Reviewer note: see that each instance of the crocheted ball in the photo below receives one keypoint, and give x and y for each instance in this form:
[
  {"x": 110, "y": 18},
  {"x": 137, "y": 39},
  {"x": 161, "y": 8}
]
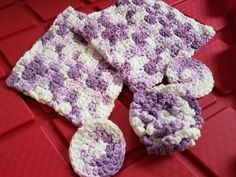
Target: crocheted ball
[{"x": 166, "y": 118}]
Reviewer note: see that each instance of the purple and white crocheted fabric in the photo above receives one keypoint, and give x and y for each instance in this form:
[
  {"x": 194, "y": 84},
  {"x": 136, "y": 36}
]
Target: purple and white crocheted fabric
[
  {"x": 97, "y": 149},
  {"x": 192, "y": 74},
  {"x": 64, "y": 72},
  {"x": 166, "y": 118},
  {"x": 140, "y": 37}
]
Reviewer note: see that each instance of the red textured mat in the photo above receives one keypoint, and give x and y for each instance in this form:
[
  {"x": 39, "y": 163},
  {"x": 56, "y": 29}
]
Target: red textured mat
[
  {"x": 216, "y": 148},
  {"x": 163, "y": 167},
  {"x": 34, "y": 140}
]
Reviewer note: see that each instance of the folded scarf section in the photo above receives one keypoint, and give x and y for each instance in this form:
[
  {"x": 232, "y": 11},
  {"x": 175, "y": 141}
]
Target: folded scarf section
[
  {"x": 140, "y": 38},
  {"x": 63, "y": 71}
]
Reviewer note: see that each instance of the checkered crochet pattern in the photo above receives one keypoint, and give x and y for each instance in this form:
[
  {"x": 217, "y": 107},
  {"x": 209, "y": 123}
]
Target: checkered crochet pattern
[
  {"x": 63, "y": 71},
  {"x": 140, "y": 37}
]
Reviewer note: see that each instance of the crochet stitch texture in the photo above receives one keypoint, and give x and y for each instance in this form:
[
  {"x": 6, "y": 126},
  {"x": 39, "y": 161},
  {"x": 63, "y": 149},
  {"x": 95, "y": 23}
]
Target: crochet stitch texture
[
  {"x": 63, "y": 71},
  {"x": 141, "y": 37}
]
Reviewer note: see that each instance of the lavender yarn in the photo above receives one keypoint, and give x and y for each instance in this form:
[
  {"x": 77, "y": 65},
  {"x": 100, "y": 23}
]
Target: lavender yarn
[
  {"x": 146, "y": 35},
  {"x": 166, "y": 118},
  {"x": 64, "y": 72},
  {"x": 97, "y": 149},
  {"x": 192, "y": 74}
]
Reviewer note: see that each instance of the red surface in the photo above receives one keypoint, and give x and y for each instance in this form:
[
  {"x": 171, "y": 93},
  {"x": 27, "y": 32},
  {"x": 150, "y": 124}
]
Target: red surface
[
  {"x": 65, "y": 128},
  {"x": 217, "y": 147},
  {"x": 162, "y": 167},
  {"x": 4, "y": 3},
  {"x": 2, "y": 73},
  {"x": 48, "y": 9},
  {"x": 120, "y": 116},
  {"x": 30, "y": 148},
  {"x": 207, "y": 101},
  {"x": 86, "y": 9},
  {"x": 13, "y": 19},
  {"x": 101, "y": 6},
  {"x": 15, "y": 46},
  {"x": 46, "y": 108},
  {"x": 14, "y": 112},
  {"x": 27, "y": 149},
  {"x": 205, "y": 11}
]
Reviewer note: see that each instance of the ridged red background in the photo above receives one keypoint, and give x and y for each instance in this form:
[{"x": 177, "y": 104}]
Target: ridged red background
[{"x": 34, "y": 139}]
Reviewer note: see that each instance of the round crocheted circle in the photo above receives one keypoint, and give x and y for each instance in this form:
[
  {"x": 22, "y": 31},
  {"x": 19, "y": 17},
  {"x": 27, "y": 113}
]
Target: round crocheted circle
[
  {"x": 97, "y": 149},
  {"x": 166, "y": 118},
  {"x": 193, "y": 74}
]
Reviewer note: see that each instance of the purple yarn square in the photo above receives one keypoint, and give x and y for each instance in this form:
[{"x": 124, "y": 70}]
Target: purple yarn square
[
  {"x": 64, "y": 72},
  {"x": 140, "y": 38}
]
